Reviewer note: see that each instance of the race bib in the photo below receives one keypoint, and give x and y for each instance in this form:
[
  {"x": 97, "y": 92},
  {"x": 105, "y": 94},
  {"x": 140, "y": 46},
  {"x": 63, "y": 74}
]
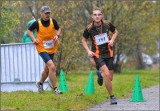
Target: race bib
[
  {"x": 48, "y": 44},
  {"x": 101, "y": 39}
]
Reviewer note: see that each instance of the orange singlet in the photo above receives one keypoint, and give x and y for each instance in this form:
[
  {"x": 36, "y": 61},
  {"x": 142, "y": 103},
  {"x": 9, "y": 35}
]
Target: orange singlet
[{"x": 45, "y": 36}]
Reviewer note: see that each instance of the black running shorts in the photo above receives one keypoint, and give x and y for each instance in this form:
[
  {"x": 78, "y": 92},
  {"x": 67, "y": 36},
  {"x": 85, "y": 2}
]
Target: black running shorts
[{"x": 99, "y": 62}]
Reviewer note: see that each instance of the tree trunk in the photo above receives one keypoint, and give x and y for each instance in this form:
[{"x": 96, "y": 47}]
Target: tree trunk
[
  {"x": 59, "y": 63},
  {"x": 139, "y": 60},
  {"x": 117, "y": 64}
]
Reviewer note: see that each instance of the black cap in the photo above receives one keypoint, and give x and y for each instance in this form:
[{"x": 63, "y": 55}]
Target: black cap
[{"x": 45, "y": 9}]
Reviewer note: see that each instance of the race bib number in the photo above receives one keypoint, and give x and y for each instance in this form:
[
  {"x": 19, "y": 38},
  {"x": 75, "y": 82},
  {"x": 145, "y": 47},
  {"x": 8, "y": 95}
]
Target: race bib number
[
  {"x": 48, "y": 44},
  {"x": 101, "y": 39}
]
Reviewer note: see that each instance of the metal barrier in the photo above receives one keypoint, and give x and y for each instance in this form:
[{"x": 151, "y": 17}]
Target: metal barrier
[{"x": 20, "y": 63}]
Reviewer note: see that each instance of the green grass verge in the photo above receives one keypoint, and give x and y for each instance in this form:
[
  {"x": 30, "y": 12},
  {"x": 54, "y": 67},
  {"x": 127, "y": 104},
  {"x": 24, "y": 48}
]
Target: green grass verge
[{"x": 75, "y": 99}]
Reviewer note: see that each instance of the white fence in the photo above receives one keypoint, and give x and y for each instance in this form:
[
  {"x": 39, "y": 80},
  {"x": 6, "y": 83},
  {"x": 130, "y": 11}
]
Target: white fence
[{"x": 20, "y": 63}]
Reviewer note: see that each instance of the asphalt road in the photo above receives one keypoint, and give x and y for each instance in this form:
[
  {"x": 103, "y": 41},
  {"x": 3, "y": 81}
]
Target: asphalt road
[{"x": 151, "y": 95}]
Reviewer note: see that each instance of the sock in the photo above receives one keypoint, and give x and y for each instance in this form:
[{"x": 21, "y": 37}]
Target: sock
[
  {"x": 55, "y": 88},
  {"x": 111, "y": 96},
  {"x": 40, "y": 83}
]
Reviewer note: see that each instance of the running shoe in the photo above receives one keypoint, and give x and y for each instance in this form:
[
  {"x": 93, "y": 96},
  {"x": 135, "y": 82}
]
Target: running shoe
[
  {"x": 100, "y": 78},
  {"x": 113, "y": 101},
  {"x": 40, "y": 87},
  {"x": 57, "y": 92}
]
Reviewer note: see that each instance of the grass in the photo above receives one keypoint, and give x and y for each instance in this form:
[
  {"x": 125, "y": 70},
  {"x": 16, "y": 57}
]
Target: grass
[{"x": 75, "y": 99}]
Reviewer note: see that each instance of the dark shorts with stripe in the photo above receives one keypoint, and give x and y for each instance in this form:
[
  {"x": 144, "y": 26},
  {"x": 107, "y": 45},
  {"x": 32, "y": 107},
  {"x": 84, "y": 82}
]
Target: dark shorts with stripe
[
  {"x": 46, "y": 57},
  {"x": 99, "y": 62}
]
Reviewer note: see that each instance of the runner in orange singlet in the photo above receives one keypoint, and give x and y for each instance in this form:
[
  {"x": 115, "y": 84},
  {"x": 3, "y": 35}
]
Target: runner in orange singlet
[{"x": 46, "y": 43}]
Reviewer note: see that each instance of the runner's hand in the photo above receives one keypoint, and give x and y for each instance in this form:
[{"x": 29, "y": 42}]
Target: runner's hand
[
  {"x": 36, "y": 41},
  {"x": 90, "y": 54},
  {"x": 111, "y": 42},
  {"x": 55, "y": 38}
]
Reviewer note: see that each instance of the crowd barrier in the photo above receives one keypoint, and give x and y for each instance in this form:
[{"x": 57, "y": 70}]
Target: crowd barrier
[{"x": 20, "y": 63}]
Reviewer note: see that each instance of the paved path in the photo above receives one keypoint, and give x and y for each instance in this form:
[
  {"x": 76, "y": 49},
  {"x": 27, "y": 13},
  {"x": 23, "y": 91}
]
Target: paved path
[{"x": 150, "y": 94}]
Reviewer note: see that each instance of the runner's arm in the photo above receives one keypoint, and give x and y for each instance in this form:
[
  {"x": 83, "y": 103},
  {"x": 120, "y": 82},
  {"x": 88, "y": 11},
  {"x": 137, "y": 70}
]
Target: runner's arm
[
  {"x": 30, "y": 34},
  {"x": 85, "y": 45},
  {"x": 114, "y": 35},
  {"x": 56, "y": 37}
]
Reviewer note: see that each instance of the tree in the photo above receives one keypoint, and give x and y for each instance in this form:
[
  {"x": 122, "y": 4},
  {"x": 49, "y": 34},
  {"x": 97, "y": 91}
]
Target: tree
[
  {"x": 135, "y": 23},
  {"x": 9, "y": 20},
  {"x": 135, "y": 20}
]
